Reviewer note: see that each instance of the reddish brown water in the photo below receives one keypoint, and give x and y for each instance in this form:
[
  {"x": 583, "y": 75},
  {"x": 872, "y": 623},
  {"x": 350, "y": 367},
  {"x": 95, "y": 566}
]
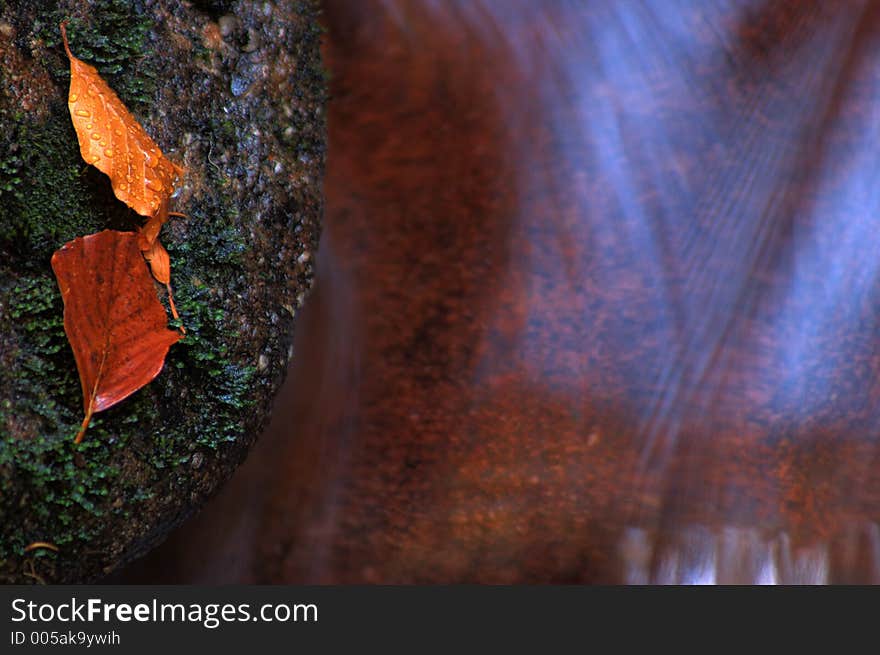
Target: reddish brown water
[{"x": 598, "y": 301}]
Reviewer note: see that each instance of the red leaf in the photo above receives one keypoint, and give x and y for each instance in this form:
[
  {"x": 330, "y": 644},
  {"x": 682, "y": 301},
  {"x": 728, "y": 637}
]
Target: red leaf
[{"x": 115, "y": 323}]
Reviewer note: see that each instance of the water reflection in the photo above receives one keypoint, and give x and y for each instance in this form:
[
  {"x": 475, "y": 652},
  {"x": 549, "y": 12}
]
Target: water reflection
[{"x": 597, "y": 301}]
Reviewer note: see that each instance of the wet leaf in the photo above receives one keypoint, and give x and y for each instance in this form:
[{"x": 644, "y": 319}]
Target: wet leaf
[
  {"x": 115, "y": 323},
  {"x": 113, "y": 141}
]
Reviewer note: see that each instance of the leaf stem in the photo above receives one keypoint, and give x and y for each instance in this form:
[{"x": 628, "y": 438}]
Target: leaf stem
[
  {"x": 64, "y": 37},
  {"x": 91, "y": 408},
  {"x": 84, "y": 426},
  {"x": 173, "y": 308}
]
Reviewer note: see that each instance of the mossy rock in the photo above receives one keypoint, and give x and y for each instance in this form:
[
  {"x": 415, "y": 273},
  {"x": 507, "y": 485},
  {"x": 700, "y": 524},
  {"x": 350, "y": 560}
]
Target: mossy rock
[{"x": 234, "y": 92}]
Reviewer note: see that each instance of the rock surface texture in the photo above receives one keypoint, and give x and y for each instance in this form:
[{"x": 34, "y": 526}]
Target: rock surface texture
[{"x": 234, "y": 92}]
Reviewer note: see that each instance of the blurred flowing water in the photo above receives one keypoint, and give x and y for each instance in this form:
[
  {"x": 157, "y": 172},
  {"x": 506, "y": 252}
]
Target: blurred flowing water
[{"x": 597, "y": 301}]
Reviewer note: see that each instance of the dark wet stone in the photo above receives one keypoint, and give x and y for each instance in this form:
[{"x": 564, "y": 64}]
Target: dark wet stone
[{"x": 241, "y": 106}]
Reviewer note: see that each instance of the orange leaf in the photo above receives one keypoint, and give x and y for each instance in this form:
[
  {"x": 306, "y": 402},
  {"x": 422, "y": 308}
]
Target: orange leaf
[
  {"x": 115, "y": 323},
  {"x": 150, "y": 230},
  {"x": 114, "y": 142},
  {"x": 160, "y": 265},
  {"x": 160, "y": 262}
]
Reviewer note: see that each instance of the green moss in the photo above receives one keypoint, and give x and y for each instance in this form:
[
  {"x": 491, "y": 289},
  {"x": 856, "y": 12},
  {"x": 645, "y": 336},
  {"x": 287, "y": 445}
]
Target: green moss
[
  {"x": 45, "y": 199},
  {"x": 62, "y": 481},
  {"x": 115, "y": 43}
]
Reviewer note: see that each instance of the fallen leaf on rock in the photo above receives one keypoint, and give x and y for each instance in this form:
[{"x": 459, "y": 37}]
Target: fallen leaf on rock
[
  {"x": 159, "y": 261},
  {"x": 116, "y": 325},
  {"x": 115, "y": 143},
  {"x": 160, "y": 265}
]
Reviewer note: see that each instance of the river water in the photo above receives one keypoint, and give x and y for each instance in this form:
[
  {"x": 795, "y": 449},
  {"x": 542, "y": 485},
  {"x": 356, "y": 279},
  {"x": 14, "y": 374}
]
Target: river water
[{"x": 597, "y": 301}]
